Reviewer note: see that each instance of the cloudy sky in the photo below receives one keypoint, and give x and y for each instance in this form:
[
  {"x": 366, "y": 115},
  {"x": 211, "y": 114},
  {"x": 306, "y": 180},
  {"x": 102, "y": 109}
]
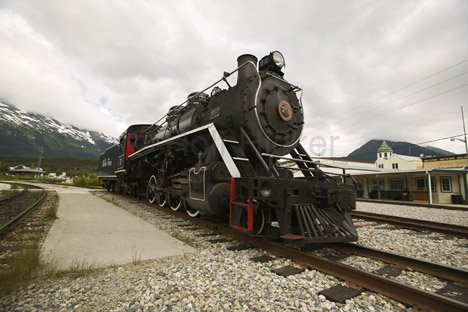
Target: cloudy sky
[{"x": 396, "y": 70}]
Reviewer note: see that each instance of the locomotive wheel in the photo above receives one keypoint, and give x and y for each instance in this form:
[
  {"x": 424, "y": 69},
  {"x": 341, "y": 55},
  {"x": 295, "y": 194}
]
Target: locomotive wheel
[
  {"x": 175, "y": 202},
  {"x": 191, "y": 211},
  {"x": 161, "y": 197},
  {"x": 151, "y": 189}
]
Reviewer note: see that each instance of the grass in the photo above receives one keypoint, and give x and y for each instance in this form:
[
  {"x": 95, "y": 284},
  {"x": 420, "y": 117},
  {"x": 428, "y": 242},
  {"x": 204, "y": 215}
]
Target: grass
[
  {"x": 6, "y": 193},
  {"x": 136, "y": 258},
  {"x": 25, "y": 264},
  {"x": 24, "y": 267},
  {"x": 51, "y": 211},
  {"x": 90, "y": 180},
  {"x": 78, "y": 268}
]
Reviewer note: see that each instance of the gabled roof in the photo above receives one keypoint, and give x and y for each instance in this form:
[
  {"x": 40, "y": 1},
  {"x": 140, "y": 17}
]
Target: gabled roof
[{"x": 384, "y": 148}]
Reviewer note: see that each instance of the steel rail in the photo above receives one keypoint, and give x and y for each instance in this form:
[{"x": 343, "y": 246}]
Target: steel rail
[
  {"x": 420, "y": 225},
  {"x": 9, "y": 223},
  {"x": 442, "y": 271},
  {"x": 417, "y": 298}
]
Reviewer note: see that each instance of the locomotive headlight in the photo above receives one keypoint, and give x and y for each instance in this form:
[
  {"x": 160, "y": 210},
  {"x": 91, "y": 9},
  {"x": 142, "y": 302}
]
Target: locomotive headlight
[
  {"x": 272, "y": 62},
  {"x": 278, "y": 59}
]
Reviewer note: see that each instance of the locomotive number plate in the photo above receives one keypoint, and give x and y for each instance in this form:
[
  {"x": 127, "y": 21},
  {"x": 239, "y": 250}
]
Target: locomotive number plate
[{"x": 285, "y": 110}]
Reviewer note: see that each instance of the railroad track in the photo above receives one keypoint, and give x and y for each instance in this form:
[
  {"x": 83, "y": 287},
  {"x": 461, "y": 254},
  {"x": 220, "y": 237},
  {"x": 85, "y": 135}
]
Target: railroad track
[
  {"x": 415, "y": 297},
  {"x": 419, "y": 225},
  {"x": 13, "y": 208},
  {"x": 445, "y": 272}
]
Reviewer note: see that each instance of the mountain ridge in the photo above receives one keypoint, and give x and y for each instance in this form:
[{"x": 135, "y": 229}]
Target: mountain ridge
[
  {"x": 368, "y": 151},
  {"x": 29, "y": 134}
]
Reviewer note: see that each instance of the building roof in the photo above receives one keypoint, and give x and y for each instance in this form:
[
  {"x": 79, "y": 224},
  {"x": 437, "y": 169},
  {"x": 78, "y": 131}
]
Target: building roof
[
  {"x": 446, "y": 157},
  {"x": 384, "y": 148},
  {"x": 25, "y": 169},
  {"x": 408, "y": 158},
  {"x": 463, "y": 170}
]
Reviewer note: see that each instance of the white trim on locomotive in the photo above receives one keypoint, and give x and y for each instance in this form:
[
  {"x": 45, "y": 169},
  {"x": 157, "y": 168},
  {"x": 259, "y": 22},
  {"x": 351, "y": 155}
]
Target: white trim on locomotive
[
  {"x": 195, "y": 172},
  {"x": 218, "y": 141},
  {"x": 256, "y": 110}
]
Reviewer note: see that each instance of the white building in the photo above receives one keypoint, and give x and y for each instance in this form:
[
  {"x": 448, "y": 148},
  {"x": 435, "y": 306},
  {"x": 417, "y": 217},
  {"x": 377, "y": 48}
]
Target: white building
[{"x": 387, "y": 159}]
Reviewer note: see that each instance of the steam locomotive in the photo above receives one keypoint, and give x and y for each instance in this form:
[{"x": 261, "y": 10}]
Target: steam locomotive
[{"x": 226, "y": 154}]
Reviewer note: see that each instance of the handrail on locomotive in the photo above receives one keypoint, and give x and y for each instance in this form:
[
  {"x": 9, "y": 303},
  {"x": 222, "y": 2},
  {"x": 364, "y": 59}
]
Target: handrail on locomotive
[{"x": 225, "y": 75}]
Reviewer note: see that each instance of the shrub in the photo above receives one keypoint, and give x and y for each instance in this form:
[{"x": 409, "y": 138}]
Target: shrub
[{"x": 88, "y": 180}]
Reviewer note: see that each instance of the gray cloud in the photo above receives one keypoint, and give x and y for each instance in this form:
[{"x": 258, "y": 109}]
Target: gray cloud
[{"x": 106, "y": 64}]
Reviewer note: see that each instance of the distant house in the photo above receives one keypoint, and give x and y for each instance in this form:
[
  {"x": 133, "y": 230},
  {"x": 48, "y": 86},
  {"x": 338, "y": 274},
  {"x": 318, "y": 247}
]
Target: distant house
[
  {"x": 434, "y": 180},
  {"x": 451, "y": 161},
  {"x": 21, "y": 170},
  {"x": 387, "y": 159},
  {"x": 54, "y": 175}
]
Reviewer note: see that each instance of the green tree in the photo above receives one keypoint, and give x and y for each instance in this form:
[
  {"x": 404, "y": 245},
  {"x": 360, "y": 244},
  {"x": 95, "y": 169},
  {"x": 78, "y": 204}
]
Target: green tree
[
  {"x": 83, "y": 173},
  {"x": 4, "y": 168}
]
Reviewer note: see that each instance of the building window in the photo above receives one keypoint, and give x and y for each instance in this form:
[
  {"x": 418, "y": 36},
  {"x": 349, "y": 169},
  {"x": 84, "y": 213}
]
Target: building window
[
  {"x": 132, "y": 139},
  {"x": 396, "y": 184},
  {"x": 380, "y": 155},
  {"x": 385, "y": 155},
  {"x": 422, "y": 185},
  {"x": 395, "y": 166},
  {"x": 446, "y": 184},
  {"x": 377, "y": 184},
  {"x": 380, "y": 165}
]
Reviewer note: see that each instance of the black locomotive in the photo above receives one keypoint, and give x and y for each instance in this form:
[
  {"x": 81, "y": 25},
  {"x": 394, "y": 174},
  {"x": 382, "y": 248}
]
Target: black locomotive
[{"x": 225, "y": 154}]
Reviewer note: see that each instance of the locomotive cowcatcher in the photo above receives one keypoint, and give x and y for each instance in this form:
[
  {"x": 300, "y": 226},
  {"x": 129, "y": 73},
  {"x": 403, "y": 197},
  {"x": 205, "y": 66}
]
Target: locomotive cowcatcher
[{"x": 236, "y": 153}]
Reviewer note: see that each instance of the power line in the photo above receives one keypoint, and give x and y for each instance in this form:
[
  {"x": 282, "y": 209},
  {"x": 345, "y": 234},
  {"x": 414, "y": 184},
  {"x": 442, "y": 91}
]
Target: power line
[
  {"x": 398, "y": 99},
  {"x": 411, "y": 144},
  {"x": 400, "y": 89},
  {"x": 405, "y": 106}
]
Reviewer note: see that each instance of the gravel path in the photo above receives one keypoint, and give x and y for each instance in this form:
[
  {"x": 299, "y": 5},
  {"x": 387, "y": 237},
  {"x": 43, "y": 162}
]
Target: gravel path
[
  {"x": 417, "y": 212},
  {"x": 216, "y": 279}
]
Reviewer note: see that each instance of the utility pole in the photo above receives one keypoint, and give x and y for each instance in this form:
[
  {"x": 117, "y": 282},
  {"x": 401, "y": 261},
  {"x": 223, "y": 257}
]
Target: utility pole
[
  {"x": 466, "y": 147},
  {"x": 464, "y": 133},
  {"x": 41, "y": 155}
]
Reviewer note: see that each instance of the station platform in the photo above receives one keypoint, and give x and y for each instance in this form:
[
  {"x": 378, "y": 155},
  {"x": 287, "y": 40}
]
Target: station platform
[{"x": 92, "y": 232}]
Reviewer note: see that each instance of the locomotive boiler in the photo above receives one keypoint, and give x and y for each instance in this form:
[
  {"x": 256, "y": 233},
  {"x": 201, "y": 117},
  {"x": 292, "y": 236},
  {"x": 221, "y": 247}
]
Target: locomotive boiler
[{"x": 236, "y": 153}]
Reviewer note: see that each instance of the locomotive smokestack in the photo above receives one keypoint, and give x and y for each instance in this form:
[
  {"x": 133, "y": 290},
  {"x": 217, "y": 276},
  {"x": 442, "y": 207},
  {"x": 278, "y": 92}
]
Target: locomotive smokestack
[{"x": 247, "y": 70}]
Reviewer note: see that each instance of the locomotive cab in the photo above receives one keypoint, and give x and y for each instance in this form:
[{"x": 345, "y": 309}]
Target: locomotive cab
[{"x": 128, "y": 143}]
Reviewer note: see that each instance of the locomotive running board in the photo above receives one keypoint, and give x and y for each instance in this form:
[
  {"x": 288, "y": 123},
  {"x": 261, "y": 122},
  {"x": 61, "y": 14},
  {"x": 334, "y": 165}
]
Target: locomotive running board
[{"x": 218, "y": 141}]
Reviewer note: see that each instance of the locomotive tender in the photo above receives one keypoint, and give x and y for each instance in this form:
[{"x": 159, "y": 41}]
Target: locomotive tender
[{"x": 226, "y": 154}]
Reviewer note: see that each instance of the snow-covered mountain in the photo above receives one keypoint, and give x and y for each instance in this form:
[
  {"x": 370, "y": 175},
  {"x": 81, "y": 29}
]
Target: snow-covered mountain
[{"x": 25, "y": 134}]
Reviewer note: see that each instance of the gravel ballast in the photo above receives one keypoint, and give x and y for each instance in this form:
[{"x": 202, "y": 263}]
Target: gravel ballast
[
  {"x": 216, "y": 279},
  {"x": 417, "y": 212}
]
